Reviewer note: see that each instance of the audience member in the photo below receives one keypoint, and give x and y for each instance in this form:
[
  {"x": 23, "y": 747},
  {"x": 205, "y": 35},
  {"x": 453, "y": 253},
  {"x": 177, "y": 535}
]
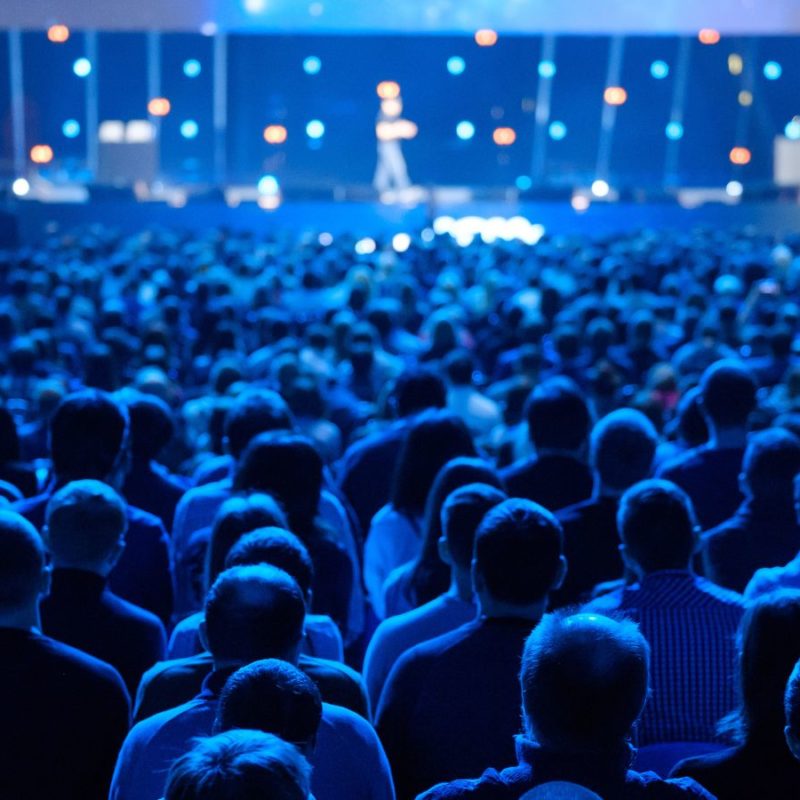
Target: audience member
[{"x": 791, "y": 705}]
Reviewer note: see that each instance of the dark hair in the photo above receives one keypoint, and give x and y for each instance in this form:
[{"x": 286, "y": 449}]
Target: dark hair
[
  {"x": 518, "y": 549},
  {"x": 459, "y": 366},
  {"x": 558, "y": 415},
  {"x": 430, "y": 576},
  {"x": 88, "y": 434},
  {"x": 271, "y": 696},
  {"x": 255, "y": 411},
  {"x": 656, "y": 522},
  {"x": 728, "y": 393},
  {"x": 771, "y": 462},
  {"x": 462, "y": 513},
  {"x": 623, "y": 445},
  {"x": 239, "y": 765},
  {"x": 690, "y": 424},
  {"x": 252, "y": 613},
  {"x": 22, "y": 559},
  {"x": 278, "y": 547},
  {"x": 417, "y": 390},
  {"x": 434, "y": 438},
  {"x": 584, "y": 680},
  {"x": 9, "y": 438},
  {"x": 152, "y": 426}
]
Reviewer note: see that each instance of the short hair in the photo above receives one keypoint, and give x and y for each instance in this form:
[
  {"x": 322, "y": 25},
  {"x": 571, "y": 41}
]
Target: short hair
[
  {"x": 85, "y": 520},
  {"x": 462, "y": 513},
  {"x": 22, "y": 559},
  {"x": 623, "y": 445},
  {"x": 240, "y": 765},
  {"x": 558, "y": 415},
  {"x": 417, "y": 390},
  {"x": 584, "y": 680},
  {"x": 728, "y": 393},
  {"x": 560, "y": 790},
  {"x": 459, "y": 366},
  {"x": 271, "y": 696},
  {"x": 152, "y": 426},
  {"x": 252, "y": 412},
  {"x": 88, "y": 434},
  {"x": 518, "y": 549},
  {"x": 278, "y": 547},
  {"x": 771, "y": 462},
  {"x": 657, "y": 524},
  {"x": 254, "y": 612},
  {"x": 791, "y": 701}
]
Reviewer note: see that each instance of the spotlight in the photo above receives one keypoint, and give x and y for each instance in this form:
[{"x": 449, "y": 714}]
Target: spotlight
[
  {"x": 312, "y": 65},
  {"x": 600, "y": 188},
  {"x": 523, "y": 183},
  {"x": 745, "y": 98},
  {"x": 401, "y": 242},
  {"x": 189, "y": 129},
  {"x": 734, "y": 189},
  {"x": 268, "y": 185},
  {"x": 456, "y": 65},
  {"x": 20, "y": 187},
  {"x": 740, "y": 156},
  {"x": 275, "y": 134},
  {"x": 41, "y": 154},
  {"x": 735, "y": 64},
  {"x": 388, "y": 90},
  {"x": 486, "y": 37},
  {"x": 659, "y": 70},
  {"x": 82, "y": 67},
  {"x": 315, "y": 129},
  {"x": 58, "y": 34},
  {"x": 708, "y": 36},
  {"x": 674, "y": 131},
  {"x": 557, "y": 130},
  {"x": 159, "y": 107},
  {"x": 547, "y": 69},
  {"x": 772, "y": 70},
  {"x": 465, "y": 130},
  {"x": 792, "y": 129},
  {"x": 192, "y": 68},
  {"x": 503, "y": 137},
  {"x": 365, "y": 247},
  {"x": 255, "y": 6},
  {"x": 615, "y": 96},
  {"x": 71, "y": 128}
]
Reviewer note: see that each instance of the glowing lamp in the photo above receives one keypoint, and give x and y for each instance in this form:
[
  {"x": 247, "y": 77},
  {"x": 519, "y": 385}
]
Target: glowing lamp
[
  {"x": 388, "y": 90},
  {"x": 41, "y": 154},
  {"x": 503, "y": 137},
  {"x": 615, "y": 95},
  {"x": 275, "y": 134},
  {"x": 740, "y": 156},
  {"x": 709, "y": 36},
  {"x": 486, "y": 37},
  {"x": 58, "y": 34},
  {"x": 159, "y": 107}
]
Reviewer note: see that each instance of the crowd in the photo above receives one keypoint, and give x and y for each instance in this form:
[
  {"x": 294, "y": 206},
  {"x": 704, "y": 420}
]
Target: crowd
[{"x": 280, "y": 519}]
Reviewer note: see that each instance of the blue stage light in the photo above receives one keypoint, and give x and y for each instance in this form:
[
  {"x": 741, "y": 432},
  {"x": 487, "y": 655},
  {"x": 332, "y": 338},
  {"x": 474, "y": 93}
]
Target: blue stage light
[
  {"x": 772, "y": 70},
  {"x": 312, "y": 65},
  {"x": 71, "y": 128},
  {"x": 456, "y": 65},
  {"x": 547, "y": 69},
  {"x": 659, "y": 70},
  {"x": 524, "y": 183},
  {"x": 792, "y": 129},
  {"x": 315, "y": 129},
  {"x": 82, "y": 67},
  {"x": 192, "y": 68},
  {"x": 268, "y": 185},
  {"x": 189, "y": 129},
  {"x": 557, "y": 130},
  {"x": 465, "y": 130},
  {"x": 674, "y": 131}
]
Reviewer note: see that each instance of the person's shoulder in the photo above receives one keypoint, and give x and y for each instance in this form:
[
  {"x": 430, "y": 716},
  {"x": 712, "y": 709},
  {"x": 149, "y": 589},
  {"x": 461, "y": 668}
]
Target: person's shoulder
[
  {"x": 205, "y": 492},
  {"x": 147, "y": 729},
  {"x": 719, "y": 595},
  {"x": 31, "y": 506},
  {"x": 708, "y": 764},
  {"x": 430, "y": 652},
  {"x": 609, "y": 603},
  {"x": 768, "y": 579},
  {"x": 70, "y": 663},
  {"x": 490, "y": 786},
  {"x": 175, "y": 668},
  {"x": 683, "y": 461},
  {"x": 341, "y": 719},
  {"x": 140, "y": 519},
  {"x": 130, "y": 613},
  {"x": 654, "y": 787}
]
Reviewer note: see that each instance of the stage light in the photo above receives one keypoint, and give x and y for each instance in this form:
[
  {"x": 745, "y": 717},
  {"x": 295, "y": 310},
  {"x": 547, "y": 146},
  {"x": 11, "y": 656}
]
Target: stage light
[
  {"x": 486, "y": 37},
  {"x": 365, "y": 247},
  {"x": 325, "y": 239},
  {"x": 465, "y": 130},
  {"x": 740, "y": 156},
  {"x": 82, "y": 67},
  {"x": 734, "y": 189},
  {"x": 58, "y": 34},
  {"x": 792, "y": 129},
  {"x": 189, "y": 129},
  {"x": 580, "y": 203},
  {"x": 312, "y": 65},
  {"x": 709, "y": 36},
  {"x": 557, "y": 130},
  {"x": 401, "y": 242},
  {"x": 192, "y": 68},
  {"x": 20, "y": 187},
  {"x": 269, "y": 202},
  {"x": 674, "y": 131},
  {"x": 547, "y": 69},
  {"x": 159, "y": 107},
  {"x": 503, "y": 137},
  {"x": 523, "y": 183},
  {"x": 41, "y": 154},
  {"x": 772, "y": 70},
  {"x": 745, "y": 98},
  {"x": 735, "y": 64},
  {"x": 388, "y": 90},
  {"x": 659, "y": 70},
  {"x": 427, "y": 235},
  {"x": 71, "y": 128},
  {"x": 275, "y": 134},
  {"x": 209, "y": 28},
  {"x": 600, "y": 188},
  {"x": 456, "y": 65},
  {"x": 316, "y": 10},
  {"x": 615, "y": 96},
  {"x": 315, "y": 129},
  {"x": 255, "y": 6},
  {"x": 268, "y": 185}
]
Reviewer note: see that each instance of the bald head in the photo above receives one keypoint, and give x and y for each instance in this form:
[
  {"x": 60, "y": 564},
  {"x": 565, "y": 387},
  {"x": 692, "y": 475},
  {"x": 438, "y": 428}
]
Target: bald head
[
  {"x": 22, "y": 565},
  {"x": 584, "y": 680}
]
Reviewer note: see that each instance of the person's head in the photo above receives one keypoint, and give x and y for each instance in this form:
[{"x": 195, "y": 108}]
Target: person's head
[
  {"x": 791, "y": 707},
  {"x": 517, "y": 558},
  {"x": 236, "y": 517},
  {"x": 89, "y": 438},
  {"x": 418, "y": 390},
  {"x": 771, "y": 463},
  {"x": 623, "y": 445},
  {"x": 254, "y": 411},
  {"x": 9, "y": 439},
  {"x": 85, "y": 528},
  {"x": 727, "y": 395},
  {"x": 433, "y": 439},
  {"x": 278, "y": 547},
  {"x": 24, "y": 574},
  {"x": 240, "y": 765},
  {"x": 275, "y": 697},
  {"x": 560, "y": 790},
  {"x": 558, "y": 417},
  {"x": 459, "y": 366},
  {"x": 657, "y": 526},
  {"x": 252, "y": 613},
  {"x": 584, "y": 681},
  {"x": 152, "y": 426}
]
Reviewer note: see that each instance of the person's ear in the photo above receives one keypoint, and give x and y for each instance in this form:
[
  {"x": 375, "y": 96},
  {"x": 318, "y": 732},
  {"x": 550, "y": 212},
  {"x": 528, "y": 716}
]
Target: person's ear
[
  {"x": 202, "y": 634},
  {"x": 561, "y": 574},
  {"x": 444, "y": 551}
]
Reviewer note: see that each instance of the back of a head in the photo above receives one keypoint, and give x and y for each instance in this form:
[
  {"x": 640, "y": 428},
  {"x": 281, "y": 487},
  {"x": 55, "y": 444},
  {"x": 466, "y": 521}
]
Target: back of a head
[
  {"x": 85, "y": 523},
  {"x": 791, "y": 704},
  {"x": 518, "y": 552},
  {"x": 771, "y": 463},
  {"x": 272, "y": 696},
  {"x": 87, "y": 435},
  {"x": 418, "y": 390},
  {"x": 462, "y": 513},
  {"x": 9, "y": 438},
  {"x": 278, "y": 547},
  {"x": 623, "y": 445},
  {"x": 252, "y": 613},
  {"x": 657, "y": 525},
  {"x": 560, "y": 790},
  {"x": 255, "y": 411},
  {"x": 728, "y": 393},
  {"x": 240, "y": 765},
  {"x": 459, "y": 367},
  {"x": 558, "y": 416},
  {"x": 152, "y": 426},
  {"x": 584, "y": 681},
  {"x": 22, "y": 561}
]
